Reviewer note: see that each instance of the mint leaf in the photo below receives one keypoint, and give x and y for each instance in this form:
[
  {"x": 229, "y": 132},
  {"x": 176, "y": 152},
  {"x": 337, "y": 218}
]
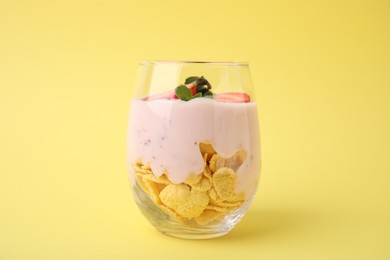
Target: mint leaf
[
  {"x": 202, "y": 88},
  {"x": 191, "y": 79},
  {"x": 202, "y": 82},
  {"x": 196, "y": 95},
  {"x": 207, "y": 93},
  {"x": 183, "y": 93}
]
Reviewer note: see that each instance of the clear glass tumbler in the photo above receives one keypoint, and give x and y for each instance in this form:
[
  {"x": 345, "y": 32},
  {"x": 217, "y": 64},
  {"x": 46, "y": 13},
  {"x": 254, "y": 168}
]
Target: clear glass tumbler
[{"x": 193, "y": 146}]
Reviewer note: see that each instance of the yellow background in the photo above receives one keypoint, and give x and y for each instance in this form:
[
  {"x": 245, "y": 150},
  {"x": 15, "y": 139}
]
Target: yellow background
[{"x": 322, "y": 71}]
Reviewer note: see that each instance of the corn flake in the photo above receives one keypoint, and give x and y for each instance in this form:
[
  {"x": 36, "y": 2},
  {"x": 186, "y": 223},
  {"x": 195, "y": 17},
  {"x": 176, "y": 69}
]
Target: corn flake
[
  {"x": 217, "y": 208},
  {"x": 203, "y": 185},
  {"x": 234, "y": 162},
  {"x": 194, "y": 178},
  {"x": 207, "y": 149},
  {"x": 146, "y": 167},
  {"x": 207, "y": 173},
  {"x": 140, "y": 170},
  {"x": 224, "y": 180},
  {"x": 153, "y": 189},
  {"x": 185, "y": 202},
  {"x": 170, "y": 212},
  {"x": 238, "y": 197},
  {"x": 216, "y": 201},
  {"x": 163, "y": 179},
  {"x": 149, "y": 177},
  {"x": 209, "y": 216},
  {"x": 213, "y": 195}
]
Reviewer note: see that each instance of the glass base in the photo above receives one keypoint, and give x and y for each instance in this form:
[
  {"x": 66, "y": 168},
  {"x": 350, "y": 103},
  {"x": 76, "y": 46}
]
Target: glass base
[
  {"x": 193, "y": 235},
  {"x": 188, "y": 229}
]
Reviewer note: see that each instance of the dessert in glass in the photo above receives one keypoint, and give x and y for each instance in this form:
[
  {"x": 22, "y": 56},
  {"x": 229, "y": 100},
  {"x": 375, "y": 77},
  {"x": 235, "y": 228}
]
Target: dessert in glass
[{"x": 193, "y": 146}]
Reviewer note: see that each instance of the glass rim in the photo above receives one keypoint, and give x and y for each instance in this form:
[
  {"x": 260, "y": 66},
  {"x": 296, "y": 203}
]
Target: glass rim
[{"x": 195, "y": 62}]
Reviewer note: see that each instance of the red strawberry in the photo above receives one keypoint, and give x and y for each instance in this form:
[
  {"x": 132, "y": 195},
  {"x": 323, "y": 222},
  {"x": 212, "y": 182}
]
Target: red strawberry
[
  {"x": 235, "y": 97},
  {"x": 170, "y": 94},
  {"x": 192, "y": 87},
  {"x": 165, "y": 95}
]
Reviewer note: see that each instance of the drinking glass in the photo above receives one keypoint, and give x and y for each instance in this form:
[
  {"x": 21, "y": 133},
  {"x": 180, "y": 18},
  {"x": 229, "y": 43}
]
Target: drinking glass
[{"x": 193, "y": 146}]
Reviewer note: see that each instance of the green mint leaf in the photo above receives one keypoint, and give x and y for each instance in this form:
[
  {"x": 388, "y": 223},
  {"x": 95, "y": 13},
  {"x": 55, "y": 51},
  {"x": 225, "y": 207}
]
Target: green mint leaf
[
  {"x": 202, "y": 82},
  {"x": 183, "y": 93},
  {"x": 197, "y": 95},
  {"x": 191, "y": 79},
  {"x": 208, "y": 93},
  {"x": 200, "y": 88},
  {"x": 205, "y": 92}
]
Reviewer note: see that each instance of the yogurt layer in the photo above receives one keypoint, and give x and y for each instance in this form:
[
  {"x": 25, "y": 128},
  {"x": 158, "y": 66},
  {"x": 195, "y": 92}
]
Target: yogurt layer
[{"x": 166, "y": 134}]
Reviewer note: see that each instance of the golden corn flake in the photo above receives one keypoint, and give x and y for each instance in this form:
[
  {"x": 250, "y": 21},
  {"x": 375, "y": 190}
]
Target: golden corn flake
[
  {"x": 185, "y": 202},
  {"x": 139, "y": 163},
  {"x": 205, "y": 159},
  {"x": 224, "y": 181},
  {"x": 234, "y": 162},
  {"x": 153, "y": 189},
  {"x": 217, "y": 204},
  {"x": 216, "y": 201},
  {"x": 203, "y": 185},
  {"x": 170, "y": 212},
  {"x": 225, "y": 204},
  {"x": 213, "y": 194},
  {"x": 146, "y": 167},
  {"x": 149, "y": 177},
  {"x": 215, "y": 162},
  {"x": 163, "y": 179},
  {"x": 217, "y": 208},
  {"x": 238, "y": 197},
  {"x": 159, "y": 180},
  {"x": 207, "y": 149},
  {"x": 208, "y": 216},
  {"x": 207, "y": 172},
  {"x": 194, "y": 178},
  {"x": 140, "y": 170}
]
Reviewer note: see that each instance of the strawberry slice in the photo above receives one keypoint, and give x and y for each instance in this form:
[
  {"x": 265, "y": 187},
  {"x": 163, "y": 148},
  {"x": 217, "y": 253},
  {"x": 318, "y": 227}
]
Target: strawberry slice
[
  {"x": 165, "y": 95},
  {"x": 192, "y": 87},
  {"x": 235, "y": 97},
  {"x": 170, "y": 94}
]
